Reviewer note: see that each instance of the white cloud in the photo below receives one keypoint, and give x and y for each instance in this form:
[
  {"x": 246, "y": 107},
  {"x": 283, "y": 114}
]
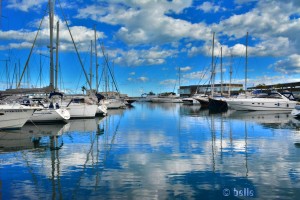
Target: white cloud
[
  {"x": 81, "y": 34},
  {"x": 145, "y": 57},
  {"x": 269, "y": 26},
  {"x": 168, "y": 82},
  {"x": 198, "y": 75},
  {"x": 209, "y": 7},
  {"x": 143, "y": 79},
  {"x": 290, "y": 65},
  {"x": 184, "y": 69},
  {"x": 135, "y": 18},
  {"x": 139, "y": 79},
  {"x": 25, "y": 5}
]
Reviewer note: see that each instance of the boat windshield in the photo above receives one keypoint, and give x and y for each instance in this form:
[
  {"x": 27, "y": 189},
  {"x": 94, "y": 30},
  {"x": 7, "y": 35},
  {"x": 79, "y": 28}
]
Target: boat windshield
[{"x": 270, "y": 95}]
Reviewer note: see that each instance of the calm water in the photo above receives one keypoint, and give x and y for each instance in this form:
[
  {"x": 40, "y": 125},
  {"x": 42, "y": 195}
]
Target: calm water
[{"x": 155, "y": 151}]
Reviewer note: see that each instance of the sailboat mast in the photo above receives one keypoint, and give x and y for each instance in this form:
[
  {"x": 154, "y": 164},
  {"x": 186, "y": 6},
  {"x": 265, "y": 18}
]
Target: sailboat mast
[
  {"x": 212, "y": 67},
  {"x": 91, "y": 63},
  {"x": 97, "y": 65},
  {"x": 230, "y": 75},
  {"x": 246, "y": 62},
  {"x": 56, "y": 57},
  {"x": 221, "y": 72},
  {"x": 51, "y": 10}
]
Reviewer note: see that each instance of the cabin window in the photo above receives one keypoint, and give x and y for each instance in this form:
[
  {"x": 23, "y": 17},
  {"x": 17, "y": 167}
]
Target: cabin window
[{"x": 287, "y": 105}]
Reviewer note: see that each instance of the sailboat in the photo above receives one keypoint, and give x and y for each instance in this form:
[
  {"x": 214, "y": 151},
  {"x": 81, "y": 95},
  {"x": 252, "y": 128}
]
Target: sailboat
[
  {"x": 14, "y": 115},
  {"x": 216, "y": 104},
  {"x": 49, "y": 112}
]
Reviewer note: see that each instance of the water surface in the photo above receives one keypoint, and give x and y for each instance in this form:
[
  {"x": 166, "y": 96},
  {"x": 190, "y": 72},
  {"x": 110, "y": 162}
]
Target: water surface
[{"x": 155, "y": 151}]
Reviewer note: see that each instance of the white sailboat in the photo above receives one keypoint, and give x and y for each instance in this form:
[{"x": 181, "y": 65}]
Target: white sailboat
[
  {"x": 48, "y": 113},
  {"x": 14, "y": 116},
  {"x": 80, "y": 107}
]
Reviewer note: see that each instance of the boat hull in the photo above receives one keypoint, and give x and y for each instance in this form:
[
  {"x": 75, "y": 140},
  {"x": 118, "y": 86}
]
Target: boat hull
[
  {"x": 50, "y": 115},
  {"x": 78, "y": 110},
  {"x": 217, "y": 105},
  {"x": 190, "y": 101},
  {"x": 114, "y": 103},
  {"x": 14, "y": 118},
  {"x": 102, "y": 110}
]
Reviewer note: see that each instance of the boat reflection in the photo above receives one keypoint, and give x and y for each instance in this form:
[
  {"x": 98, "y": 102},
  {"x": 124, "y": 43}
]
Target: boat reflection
[
  {"x": 191, "y": 110},
  {"x": 31, "y": 136},
  {"x": 267, "y": 117}
]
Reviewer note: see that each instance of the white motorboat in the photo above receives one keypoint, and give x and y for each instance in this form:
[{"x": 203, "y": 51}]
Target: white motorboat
[
  {"x": 272, "y": 101},
  {"x": 14, "y": 116},
  {"x": 147, "y": 97},
  {"x": 113, "y": 103},
  {"x": 167, "y": 98}
]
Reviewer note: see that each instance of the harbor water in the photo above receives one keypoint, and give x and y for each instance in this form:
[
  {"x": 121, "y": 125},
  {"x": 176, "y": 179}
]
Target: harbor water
[{"x": 155, "y": 151}]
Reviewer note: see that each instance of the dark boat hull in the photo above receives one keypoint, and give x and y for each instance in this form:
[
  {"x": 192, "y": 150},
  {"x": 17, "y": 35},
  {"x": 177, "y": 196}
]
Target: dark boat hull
[{"x": 217, "y": 105}]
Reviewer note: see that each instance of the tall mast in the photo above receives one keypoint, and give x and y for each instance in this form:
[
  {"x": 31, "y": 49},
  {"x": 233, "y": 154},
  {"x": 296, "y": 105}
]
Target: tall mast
[
  {"x": 91, "y": 63},
  {"x": 246, "y": 63},
  {"x": 230, "y": 75},
  {"x": 97, "y": 65},
  {"x": 51, "y": 10},
  {"x": 221, "y": 73},
  {"x": 212, "y": 66},
  {"x": 40, "y": 70},
  {"x": 56, "y": 57}
]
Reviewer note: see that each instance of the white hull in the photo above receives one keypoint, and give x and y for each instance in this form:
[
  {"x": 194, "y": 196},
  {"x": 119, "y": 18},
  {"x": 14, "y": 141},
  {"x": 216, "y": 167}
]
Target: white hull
[
  {"x": 114, "y": 103},
  {"x": 50, "y": 115},
  {"x": 102, "y": 109},
  {"x": 14, "y": 118},
  {"x": 261, "y": 104},
  {"x": 78, "y": 110}
]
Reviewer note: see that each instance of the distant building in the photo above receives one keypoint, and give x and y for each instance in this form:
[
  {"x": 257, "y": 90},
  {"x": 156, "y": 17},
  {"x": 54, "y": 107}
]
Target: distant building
[{"x": 201, "y": 89}]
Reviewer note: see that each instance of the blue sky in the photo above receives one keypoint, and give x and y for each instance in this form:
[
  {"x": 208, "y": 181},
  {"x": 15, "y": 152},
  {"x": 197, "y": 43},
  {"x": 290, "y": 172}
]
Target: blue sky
[{"x": 147, "y": 41}]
